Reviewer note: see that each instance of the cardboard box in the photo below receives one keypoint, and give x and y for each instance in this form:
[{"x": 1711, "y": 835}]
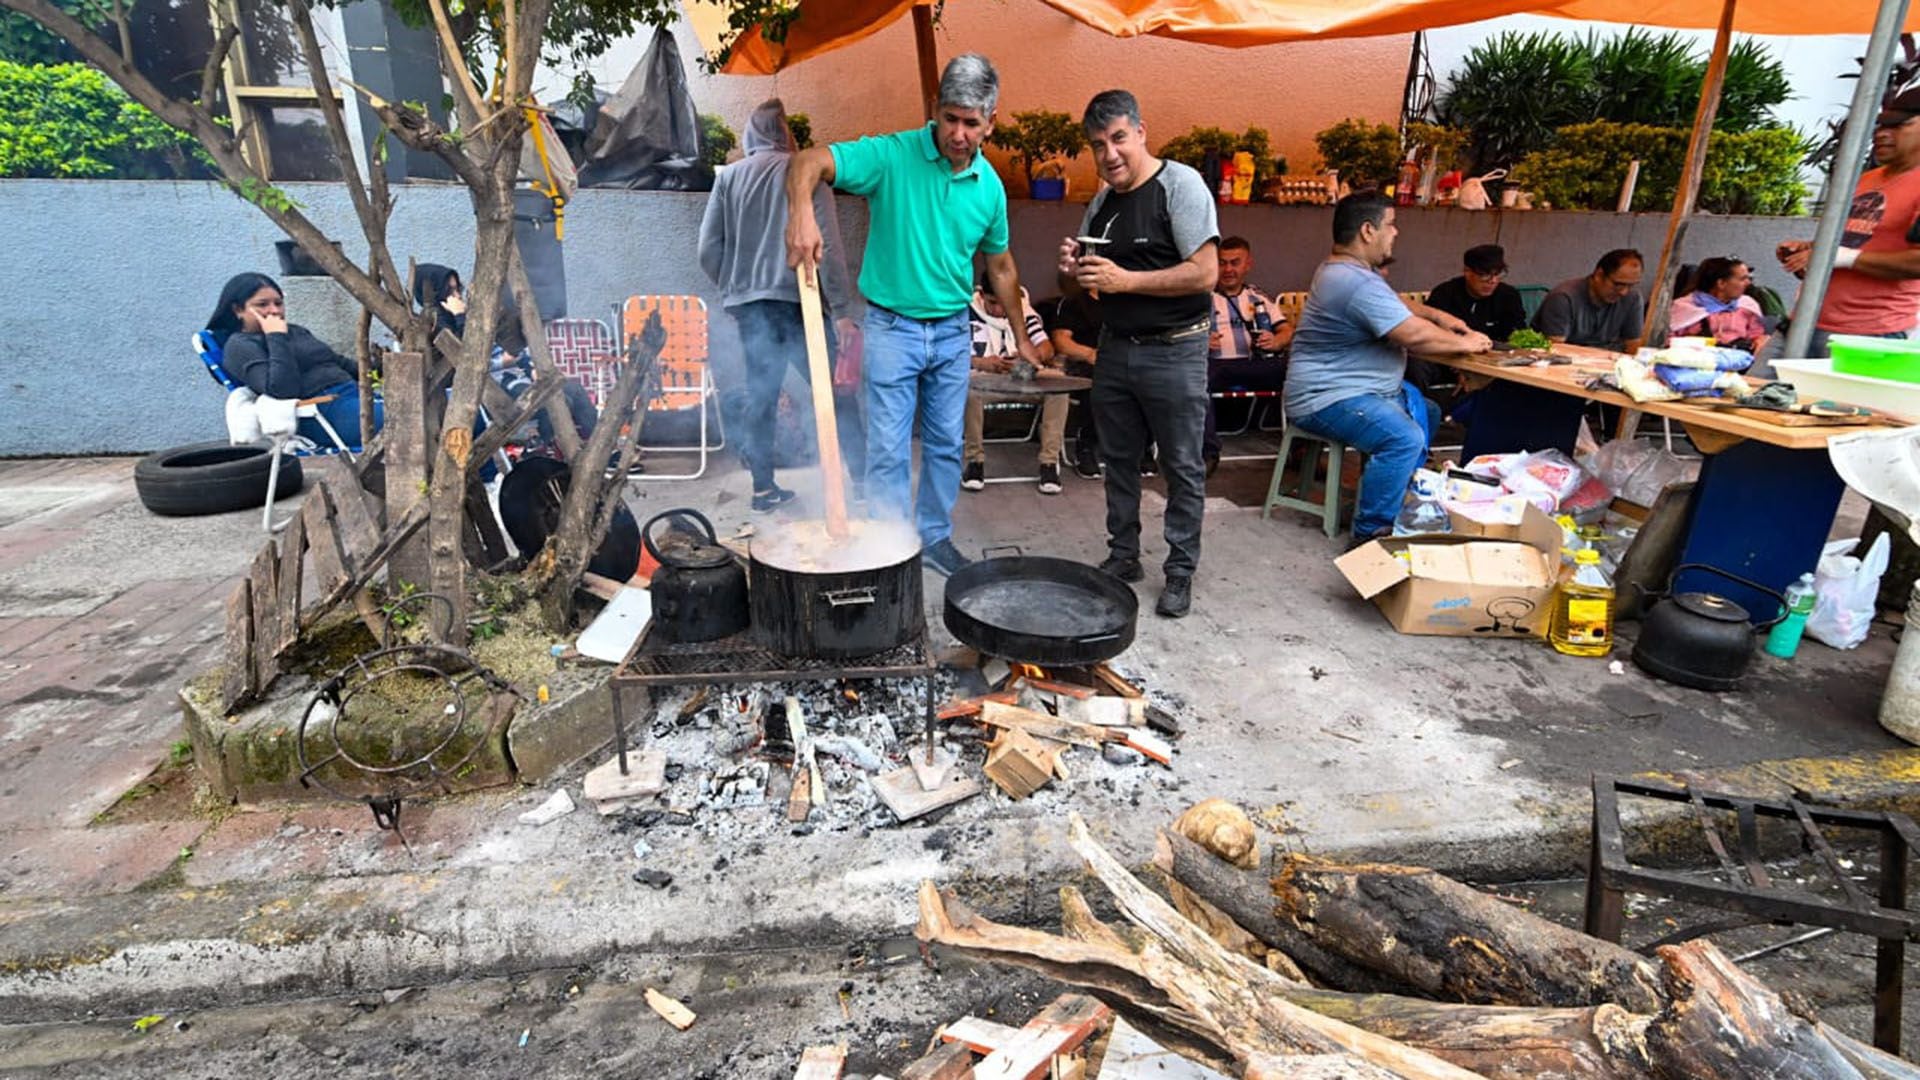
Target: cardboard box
[{"x": 1459, "y": 585}]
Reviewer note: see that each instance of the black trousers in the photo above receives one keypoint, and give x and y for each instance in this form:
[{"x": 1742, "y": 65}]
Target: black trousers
[{"x": 1153, "y": 392}]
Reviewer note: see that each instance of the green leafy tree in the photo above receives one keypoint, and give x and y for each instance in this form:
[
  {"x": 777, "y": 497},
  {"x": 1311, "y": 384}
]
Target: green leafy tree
[
  {"x": 1747, "y": 172},
  {"x": 69, "y": 121},
  {"x": 717, "y": 140},
  {"x": 801, "y": 125},
  {"x": 1191, "y": 149},
  {"x": 1038, "y": 137},
  {"x": 1367, "y": 155}
]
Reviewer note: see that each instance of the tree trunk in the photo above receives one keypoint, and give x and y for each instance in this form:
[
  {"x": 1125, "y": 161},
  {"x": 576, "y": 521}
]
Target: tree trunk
[
  {"x": 1421, "y": 930},
  {"x": 1498, "y": 1042},
  {"x": 1720, "y": 1023}
]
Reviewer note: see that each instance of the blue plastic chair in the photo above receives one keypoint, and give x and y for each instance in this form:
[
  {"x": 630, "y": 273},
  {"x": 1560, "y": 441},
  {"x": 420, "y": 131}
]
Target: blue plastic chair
[{"x": 243, "y": 406}]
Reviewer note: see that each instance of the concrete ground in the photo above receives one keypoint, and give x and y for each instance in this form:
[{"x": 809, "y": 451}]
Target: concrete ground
[{"x": 1300, "y": 703}]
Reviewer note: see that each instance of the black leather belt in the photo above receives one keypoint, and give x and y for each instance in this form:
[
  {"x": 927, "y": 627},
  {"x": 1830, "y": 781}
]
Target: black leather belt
[{"x": 1168, "y": 337}]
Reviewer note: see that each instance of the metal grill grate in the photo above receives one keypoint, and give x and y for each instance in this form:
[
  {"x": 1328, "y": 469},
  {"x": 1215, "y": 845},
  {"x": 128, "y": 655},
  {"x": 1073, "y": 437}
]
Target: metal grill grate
[{"x": 741, "y": 659}]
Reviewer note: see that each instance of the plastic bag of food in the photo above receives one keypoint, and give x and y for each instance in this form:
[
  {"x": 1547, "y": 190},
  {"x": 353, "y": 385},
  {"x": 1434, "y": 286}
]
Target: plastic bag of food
[
  {"x": 1640, "y": 384},
  {"x": 1844, "y": 589},
  {"x": 1637, "y": 471},
  {"x": 1546, "y": 478},
  {"x": 1494, "y": 465}
]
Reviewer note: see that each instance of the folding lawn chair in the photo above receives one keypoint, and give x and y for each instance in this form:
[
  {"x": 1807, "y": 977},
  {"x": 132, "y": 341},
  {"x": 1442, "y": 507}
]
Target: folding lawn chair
[
  {"x": 252, "y": 418},
  {"x": 682, "y": 377}
]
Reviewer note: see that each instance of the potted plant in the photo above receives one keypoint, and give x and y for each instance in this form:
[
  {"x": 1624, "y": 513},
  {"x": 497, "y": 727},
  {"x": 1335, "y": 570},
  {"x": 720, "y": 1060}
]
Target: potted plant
[
  {"x": 1042, "y": 141},
  {"x": 1365, "y": 155},
  {"x": 1195, "y": 147}
]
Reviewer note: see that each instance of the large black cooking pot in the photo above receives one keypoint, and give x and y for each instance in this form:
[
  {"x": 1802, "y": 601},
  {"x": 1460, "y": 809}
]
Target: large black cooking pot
[
  {"x": 700, "y": 591},
  {"x": 1700, "y": 639},
  {"x": 1035, "y": 609},
  {"x": 836, "y": 599}
]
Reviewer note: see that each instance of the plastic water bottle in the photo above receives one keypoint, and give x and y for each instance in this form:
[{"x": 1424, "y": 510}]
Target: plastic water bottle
[{"x": 1784, "y": 639}]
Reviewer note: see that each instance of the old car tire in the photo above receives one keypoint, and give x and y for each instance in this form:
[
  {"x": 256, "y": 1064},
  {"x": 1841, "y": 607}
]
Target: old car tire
[{"x": 211, "y": 478}]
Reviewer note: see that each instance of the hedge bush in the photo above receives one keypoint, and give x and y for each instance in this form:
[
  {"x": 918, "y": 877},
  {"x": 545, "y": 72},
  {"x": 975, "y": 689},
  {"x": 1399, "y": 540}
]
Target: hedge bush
[
  {"x": 1749, "y": 172},
  {"x": 70, "y": 121}
]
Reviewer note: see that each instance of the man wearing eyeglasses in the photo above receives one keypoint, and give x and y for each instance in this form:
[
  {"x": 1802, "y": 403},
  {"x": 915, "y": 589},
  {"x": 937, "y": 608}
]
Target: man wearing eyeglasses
[
  {"x": 1875, "y": 289},
  {"x": 1480, "y": 296},
  {"x": 1600, "y": 310}
]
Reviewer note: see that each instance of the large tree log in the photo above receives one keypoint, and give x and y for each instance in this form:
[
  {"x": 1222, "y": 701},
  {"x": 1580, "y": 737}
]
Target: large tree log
[
  {"x": 1602, "y": 1042},
  {"x": 1420, "y": 929},
  {"x": 1720, "y": 1023}
]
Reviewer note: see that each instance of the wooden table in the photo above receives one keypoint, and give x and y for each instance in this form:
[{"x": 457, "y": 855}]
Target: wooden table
[{"x": 1767, "y": 492}]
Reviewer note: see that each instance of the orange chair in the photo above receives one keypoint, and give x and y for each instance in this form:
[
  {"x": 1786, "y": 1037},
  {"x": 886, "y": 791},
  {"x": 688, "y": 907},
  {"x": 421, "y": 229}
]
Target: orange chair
[{"x": 682, "y": 378}]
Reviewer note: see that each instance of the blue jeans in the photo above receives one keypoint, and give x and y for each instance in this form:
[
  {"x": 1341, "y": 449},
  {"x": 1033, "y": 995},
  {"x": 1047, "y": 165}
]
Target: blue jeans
[
  {"x": 915, "y": 368},
  {"x": 1395, "y": 444},
  {"x": 343, "y": 412}
]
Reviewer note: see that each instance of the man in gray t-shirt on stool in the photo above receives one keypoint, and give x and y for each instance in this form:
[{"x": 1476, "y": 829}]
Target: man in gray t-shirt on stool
[
  {"x": 1153, "y": 279},
  {"x": 1347, "y": 377}
]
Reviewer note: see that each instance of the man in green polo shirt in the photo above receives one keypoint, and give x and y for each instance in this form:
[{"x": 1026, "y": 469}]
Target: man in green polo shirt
[{"x": 933, "y": 201}]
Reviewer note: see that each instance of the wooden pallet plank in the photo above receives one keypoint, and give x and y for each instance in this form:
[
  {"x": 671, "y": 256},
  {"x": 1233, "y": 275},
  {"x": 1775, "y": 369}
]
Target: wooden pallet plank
[
  {"x": 239, "y": 684},
  {"x": 953, "y": 1061},
  {"x": 1059, "y": 1029},
  {"x": 409, "y": 453},
  {"x": 264, "y": 579},
  {"x": 323, "y": 539},
  {"x": 293, "y": 552},
  {"x": 981, "y": 1036},
  {"x": 821, "y": 1063},
  {"x": 359, "y": 532}
]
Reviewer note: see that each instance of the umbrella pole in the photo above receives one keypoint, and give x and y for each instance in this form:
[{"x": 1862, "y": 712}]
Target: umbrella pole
[
  {"x": 1660, "y": 307},
  {"x": 1845, "y": 174},
  {"x": 929, "y": 60}
]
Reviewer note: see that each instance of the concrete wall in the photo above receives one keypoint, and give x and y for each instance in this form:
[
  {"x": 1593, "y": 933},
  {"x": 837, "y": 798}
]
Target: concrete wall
[{"x": 104, "y": 282}]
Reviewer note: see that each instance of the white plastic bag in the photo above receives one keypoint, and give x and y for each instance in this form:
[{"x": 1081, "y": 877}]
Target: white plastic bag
[
  {"x": 1844, "y": 591},
  {"x": 1473, "y": 193}
]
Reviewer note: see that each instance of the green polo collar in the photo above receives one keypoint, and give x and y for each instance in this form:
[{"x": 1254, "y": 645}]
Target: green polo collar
[{"x": 931, "y": 147}]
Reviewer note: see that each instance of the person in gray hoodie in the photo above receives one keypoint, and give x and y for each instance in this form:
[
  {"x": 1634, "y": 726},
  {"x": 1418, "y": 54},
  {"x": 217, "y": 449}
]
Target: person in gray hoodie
[{"x": 743, "y": 249}]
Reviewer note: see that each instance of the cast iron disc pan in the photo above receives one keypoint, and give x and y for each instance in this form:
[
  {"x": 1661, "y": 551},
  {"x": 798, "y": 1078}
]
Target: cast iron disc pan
[{"x": 1034, "y": 609}]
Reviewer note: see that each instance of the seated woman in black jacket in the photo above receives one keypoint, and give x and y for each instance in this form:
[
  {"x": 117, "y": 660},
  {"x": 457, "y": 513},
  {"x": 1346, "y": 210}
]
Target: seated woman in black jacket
[{"x": 277, "y": 359}]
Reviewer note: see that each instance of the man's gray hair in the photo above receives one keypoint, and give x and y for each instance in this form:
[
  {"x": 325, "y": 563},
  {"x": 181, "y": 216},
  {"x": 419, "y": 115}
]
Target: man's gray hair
[
  {"x": 1108, "y": 106},
  {"x": 969, "y": 82}
]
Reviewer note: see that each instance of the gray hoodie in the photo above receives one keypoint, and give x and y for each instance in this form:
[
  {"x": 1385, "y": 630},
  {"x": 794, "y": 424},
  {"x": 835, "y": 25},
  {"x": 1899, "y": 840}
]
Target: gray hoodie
[{"x": 743, "y": 237}]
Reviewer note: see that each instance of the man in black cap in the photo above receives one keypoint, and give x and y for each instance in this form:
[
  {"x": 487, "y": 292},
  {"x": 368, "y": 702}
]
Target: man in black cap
[
  {"x": 1480, "y": 296},
  {"x": 1875, "y": 288}
]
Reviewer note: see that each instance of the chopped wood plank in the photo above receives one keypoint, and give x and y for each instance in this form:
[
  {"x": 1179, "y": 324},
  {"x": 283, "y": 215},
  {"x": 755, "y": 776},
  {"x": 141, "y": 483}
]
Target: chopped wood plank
[
  {"x": 1059, "y": 1029},
  {"x": 901, "y": 791},
  {"x": 264, "y": 580},
  {"x": 348, "y": 500},
  {"x": 1111, "y": 680},
  {"x": 821, "y": 1063},
  {"x": 953, "y": 1061},
  {"x": 954, "y": 710},
  {"x": 1069, "y": 1068},
  {"x": 1018, "y": 764},
  {"x": 1041, "y": 725},
  {"x": 293, "y": 553},
  {"x": 1151, "y": 745},
  {"x": 1107, "y": 711},
  {"x": 1132, "y": 1056},
  {"x": 603, "y": 587},
  {"x": 238, "y": 685},
  {"x": 1050, "y": 686},
  {"x": 323, "y": 539},
  {"x": 981, "y": 1036},
  {"x": 670, "y": 1010},
  {"x": 800, "y": 798},
  {"x": 646, "y": 775},
  {"x": 1315, "y": 1067}
]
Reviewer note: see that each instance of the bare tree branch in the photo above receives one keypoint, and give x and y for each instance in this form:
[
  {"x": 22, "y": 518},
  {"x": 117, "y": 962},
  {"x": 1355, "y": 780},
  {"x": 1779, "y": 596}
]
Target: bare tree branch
[
  {"x": 372, "y": 226},
  {"x": 126, "y": 31},
  {"x": 532, "y": 326},
  {"x": 418, "y": 131},
  {"x": 464, "y": 90},
  {"x": 217, "y": 59}
]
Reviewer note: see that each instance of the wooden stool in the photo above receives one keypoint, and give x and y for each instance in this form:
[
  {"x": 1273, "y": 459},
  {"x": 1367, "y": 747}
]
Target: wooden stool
[{"x": 1328, "y": 506}]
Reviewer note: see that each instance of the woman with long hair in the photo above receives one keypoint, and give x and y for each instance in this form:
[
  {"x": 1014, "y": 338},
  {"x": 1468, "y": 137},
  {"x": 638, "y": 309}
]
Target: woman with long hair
[{"x": 278, "y": 359}]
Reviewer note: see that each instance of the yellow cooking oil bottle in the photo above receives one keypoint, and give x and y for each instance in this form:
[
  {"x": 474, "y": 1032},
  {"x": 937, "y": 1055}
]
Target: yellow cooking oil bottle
[{"x": 1582, "y": 622}]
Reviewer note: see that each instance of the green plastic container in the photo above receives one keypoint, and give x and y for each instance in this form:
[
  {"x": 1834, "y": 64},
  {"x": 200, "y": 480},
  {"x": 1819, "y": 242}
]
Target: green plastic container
[{"x": 1876, "y": 358}]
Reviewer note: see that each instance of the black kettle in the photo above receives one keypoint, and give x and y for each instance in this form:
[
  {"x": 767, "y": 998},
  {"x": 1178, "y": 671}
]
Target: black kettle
[
  {"x": 700, "y": 591},
  {"x": 1700, "y": 639}
]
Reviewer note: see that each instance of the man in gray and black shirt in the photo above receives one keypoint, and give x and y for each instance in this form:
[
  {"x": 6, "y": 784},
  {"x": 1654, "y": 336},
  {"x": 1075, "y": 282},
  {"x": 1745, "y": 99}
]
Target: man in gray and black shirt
[{"x": 1153, "y": 279}]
